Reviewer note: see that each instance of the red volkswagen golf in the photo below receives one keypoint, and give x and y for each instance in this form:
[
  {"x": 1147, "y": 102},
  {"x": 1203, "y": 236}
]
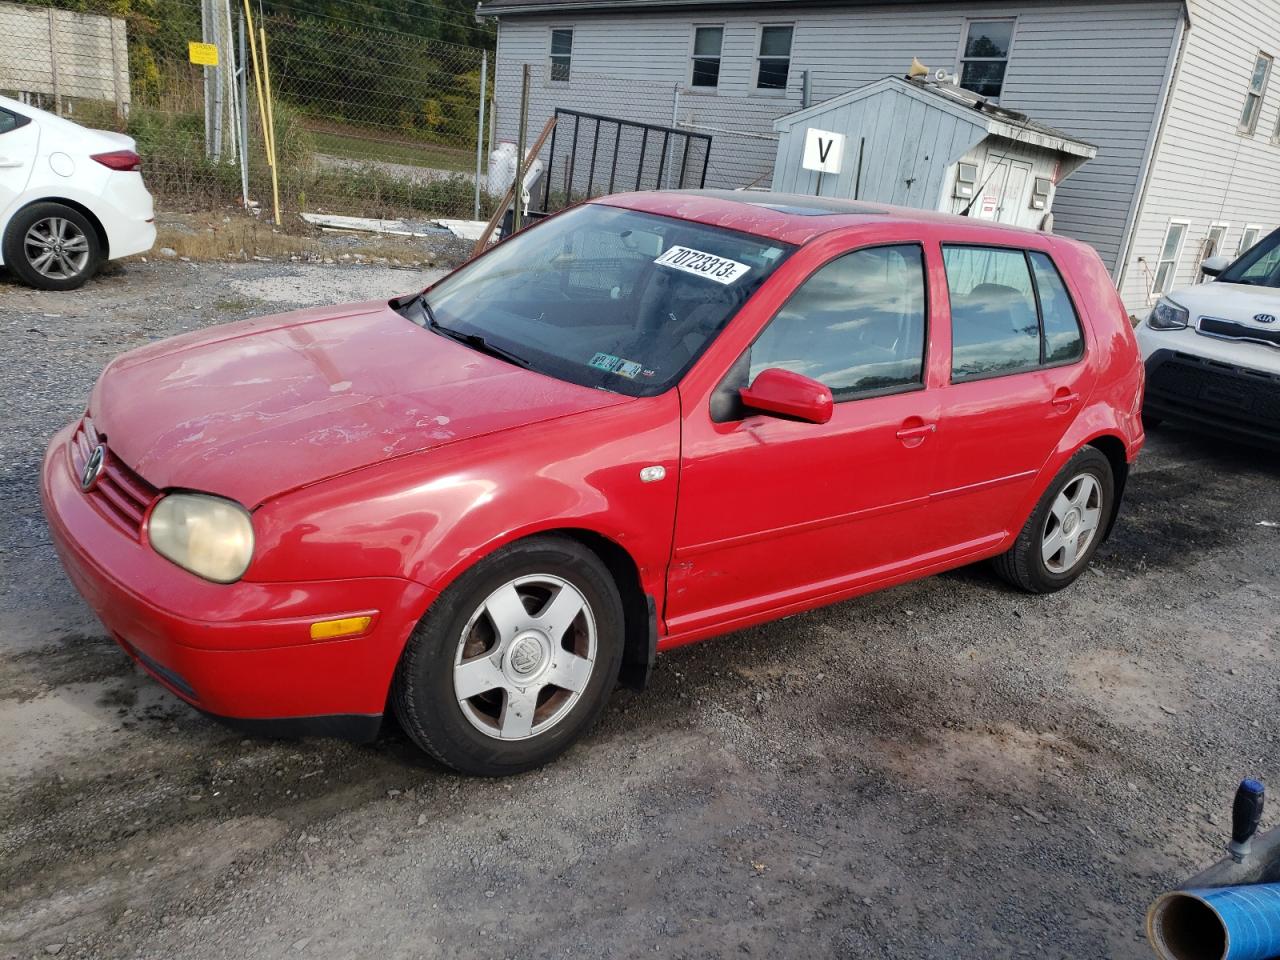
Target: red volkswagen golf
[{"x": 648, "y": 420}]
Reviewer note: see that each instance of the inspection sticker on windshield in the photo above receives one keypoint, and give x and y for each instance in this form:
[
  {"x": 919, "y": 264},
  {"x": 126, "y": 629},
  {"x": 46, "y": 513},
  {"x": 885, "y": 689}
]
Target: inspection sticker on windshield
[
  {"x": 719, "y": 269},
  {"x": 607, "y": 361}
]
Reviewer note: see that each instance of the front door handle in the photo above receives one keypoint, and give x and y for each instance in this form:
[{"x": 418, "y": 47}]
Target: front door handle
[
  {"x": 915, "y": 434},
  {"x": 1065, "y": 398}
]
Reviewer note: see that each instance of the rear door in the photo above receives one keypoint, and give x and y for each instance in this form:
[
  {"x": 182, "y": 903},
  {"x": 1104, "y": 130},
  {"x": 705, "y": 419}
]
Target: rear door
[
  {"x": 1019, "y": 377},
  {"x": 19, "y": 138}
]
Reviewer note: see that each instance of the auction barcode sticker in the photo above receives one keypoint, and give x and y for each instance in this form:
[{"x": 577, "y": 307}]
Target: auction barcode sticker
[{"x": 719, "y": 269}]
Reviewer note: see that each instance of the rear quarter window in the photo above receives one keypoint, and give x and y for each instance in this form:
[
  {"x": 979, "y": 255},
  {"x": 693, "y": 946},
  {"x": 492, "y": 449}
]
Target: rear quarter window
[
  {"x": 1063, "y": 341},
  {"x": 10, "y": 121}
]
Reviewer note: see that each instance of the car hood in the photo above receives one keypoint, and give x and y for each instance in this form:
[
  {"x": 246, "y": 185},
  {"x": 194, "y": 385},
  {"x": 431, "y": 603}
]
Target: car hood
[
  {"x": 254, "y": 409},
  {"x": 1240, "y": 302}
]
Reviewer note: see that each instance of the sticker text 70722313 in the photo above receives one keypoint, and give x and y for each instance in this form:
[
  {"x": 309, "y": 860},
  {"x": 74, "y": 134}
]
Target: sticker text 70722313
[{"x": 720, "y": 269}]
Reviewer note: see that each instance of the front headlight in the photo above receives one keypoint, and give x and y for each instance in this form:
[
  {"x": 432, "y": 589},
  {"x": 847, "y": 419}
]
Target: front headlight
[
  {"x": 210, "y": 536},
  {"x": 1167, "y": 315}
]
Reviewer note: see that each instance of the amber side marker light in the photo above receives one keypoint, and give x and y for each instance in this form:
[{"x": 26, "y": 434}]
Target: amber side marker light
[{"x": 345, "y": 627}]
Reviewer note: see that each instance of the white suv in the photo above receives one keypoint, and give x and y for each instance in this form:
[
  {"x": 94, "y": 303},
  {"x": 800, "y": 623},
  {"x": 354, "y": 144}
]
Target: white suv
[
  {"x": 1212, "y": 351},
  {"x": 70, "y": 197}
]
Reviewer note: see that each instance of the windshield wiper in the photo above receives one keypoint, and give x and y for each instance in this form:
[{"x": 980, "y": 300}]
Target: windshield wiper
[{"x": 473, "y": 340}]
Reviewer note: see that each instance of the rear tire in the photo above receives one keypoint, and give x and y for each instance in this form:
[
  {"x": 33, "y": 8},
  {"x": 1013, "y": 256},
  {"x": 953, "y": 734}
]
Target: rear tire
[
  {"x": 1065, "y": 529},
  {"x": 514, "y": 661},
  {"x": 51, "y": 246}
]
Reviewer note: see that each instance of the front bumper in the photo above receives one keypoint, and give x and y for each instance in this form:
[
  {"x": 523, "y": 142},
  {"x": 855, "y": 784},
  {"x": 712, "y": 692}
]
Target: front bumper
[
  {"x": 240, "y": 651},
  {"x": 1208, "y": 394}
]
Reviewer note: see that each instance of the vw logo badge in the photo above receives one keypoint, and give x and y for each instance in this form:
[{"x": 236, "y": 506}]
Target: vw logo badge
[
  {"x": 93, "y": 468},
  {"x": 1264, "y": 318},
  {"x": 526, "y": 657}
]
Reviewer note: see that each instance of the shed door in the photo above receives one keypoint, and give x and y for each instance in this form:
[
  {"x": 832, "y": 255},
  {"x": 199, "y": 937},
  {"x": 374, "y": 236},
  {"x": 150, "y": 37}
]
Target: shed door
[{"x": 1004, "y": 194}]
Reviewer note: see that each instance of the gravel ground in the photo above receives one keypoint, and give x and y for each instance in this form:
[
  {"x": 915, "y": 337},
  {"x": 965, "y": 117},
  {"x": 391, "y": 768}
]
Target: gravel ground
[{"x": 947, "y": 769}]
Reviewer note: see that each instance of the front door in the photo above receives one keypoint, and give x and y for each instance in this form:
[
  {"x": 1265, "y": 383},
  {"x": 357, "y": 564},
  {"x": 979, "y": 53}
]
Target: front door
[{"x": 774, "y": 513}]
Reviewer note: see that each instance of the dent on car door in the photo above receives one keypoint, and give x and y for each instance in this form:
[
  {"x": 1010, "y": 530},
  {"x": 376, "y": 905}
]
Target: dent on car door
[
  {"x": 19, "y": 138},
  {"x": 1019, "y": 376},
  {"x": 776, "y": 512}
]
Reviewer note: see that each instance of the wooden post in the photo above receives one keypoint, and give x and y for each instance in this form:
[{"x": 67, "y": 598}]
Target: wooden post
[
  {"x": 518, "y": 218},
  {"x": 53, "y": 62}
]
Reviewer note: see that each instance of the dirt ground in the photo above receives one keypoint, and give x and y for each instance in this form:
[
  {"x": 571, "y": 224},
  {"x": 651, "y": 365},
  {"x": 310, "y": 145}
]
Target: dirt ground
[{"x": 947, "y": 769}]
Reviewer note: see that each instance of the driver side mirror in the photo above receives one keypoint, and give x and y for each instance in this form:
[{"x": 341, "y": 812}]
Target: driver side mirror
[
  {"x": 782, "y": 393},
  {"x": 1212, "y": 266}
]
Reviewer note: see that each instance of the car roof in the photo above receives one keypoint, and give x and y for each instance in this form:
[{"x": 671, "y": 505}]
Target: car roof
[{"x": 791, "y": 218}]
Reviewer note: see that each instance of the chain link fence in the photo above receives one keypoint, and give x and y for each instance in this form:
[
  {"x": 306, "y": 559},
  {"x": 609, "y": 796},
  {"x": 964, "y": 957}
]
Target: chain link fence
[{"x": 367, "y": 122}]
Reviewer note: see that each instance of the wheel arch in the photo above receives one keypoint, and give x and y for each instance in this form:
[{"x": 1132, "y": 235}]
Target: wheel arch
[
  {"x": 80, "y": 208},
  {"x": 1113, "y": 448},
  {"x": 639, "y": 607}
]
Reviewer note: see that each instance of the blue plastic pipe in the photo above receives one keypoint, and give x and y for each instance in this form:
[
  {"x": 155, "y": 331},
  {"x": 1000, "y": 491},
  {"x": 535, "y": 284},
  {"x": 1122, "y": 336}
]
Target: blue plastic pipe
[{"x": 1222, "y": 923}]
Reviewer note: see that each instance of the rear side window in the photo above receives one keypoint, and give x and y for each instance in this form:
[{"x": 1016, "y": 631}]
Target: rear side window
[
  {"x": 857, "y": 325},
  {"x": 1010, "y": 312}
]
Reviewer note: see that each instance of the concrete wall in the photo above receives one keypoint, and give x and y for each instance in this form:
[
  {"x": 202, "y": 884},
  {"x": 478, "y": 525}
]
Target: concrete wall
[{"x": 59, "y": 54}]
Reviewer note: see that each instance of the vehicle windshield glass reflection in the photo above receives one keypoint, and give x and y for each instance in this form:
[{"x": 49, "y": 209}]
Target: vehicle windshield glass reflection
[
  {"x": 606, "y": 297},
  {"x": 1259, "y": 267}
]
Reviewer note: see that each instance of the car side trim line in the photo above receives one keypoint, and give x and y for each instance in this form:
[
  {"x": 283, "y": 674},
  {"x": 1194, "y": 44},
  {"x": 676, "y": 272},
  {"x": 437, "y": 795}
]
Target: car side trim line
[
  {"x": 982, "y": 485},
  {"x": 708, "y": 546},
  {"x": 710, "y": 623}
]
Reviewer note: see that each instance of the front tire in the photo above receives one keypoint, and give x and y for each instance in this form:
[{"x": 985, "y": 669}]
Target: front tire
[
  {"x": 514, "y": 661},
  {"x": 1066, "y": 527},
  {"x": 51, "y": 246}
]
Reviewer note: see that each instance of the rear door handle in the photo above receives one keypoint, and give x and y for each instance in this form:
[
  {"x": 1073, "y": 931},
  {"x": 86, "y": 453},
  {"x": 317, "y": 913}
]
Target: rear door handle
[{"x": 1064, "y": 398}]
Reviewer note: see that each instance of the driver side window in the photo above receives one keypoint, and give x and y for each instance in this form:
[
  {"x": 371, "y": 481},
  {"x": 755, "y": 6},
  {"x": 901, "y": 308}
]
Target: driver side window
[{"x": 857, "y": 325}]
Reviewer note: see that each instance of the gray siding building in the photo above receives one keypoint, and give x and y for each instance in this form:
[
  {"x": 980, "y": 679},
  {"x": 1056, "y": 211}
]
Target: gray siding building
[{"x": 1176, "y": 96}]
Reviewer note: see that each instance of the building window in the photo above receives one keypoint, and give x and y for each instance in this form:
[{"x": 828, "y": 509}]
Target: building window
[
  {"x": 707, "y": 42},
  {"x": 985, "y": 56},
  {"x": 561, "y": 53},
  {"x": 1248, "y": 238},
  {"x": 1257, "y": 89},
  {"x": 1170, "y": 254},
  {"x": 774, "y": 61},
  {"x": 1214, "y": 243}
]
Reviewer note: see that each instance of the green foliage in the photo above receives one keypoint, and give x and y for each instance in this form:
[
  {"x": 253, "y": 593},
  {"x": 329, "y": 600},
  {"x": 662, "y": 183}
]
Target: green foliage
[
  {"x": 388, "y": 77},
  {"x": 372, "y": 192}
]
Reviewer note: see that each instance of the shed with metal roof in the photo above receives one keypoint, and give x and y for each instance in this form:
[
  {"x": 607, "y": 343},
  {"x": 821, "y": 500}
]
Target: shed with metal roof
[{"x": 928, "y": 144}]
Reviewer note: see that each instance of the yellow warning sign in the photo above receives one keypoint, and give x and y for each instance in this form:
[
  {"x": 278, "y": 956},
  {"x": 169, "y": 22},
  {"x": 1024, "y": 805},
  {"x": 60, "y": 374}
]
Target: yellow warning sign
[{"x": 204, "y": 54}]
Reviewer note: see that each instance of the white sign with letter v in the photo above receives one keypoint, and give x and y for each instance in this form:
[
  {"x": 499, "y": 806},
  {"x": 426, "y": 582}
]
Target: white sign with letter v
[{"x": 823, "y": 150}]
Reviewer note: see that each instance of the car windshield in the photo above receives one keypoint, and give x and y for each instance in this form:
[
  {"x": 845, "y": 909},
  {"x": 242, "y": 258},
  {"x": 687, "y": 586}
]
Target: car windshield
[
  {"x": 1259, "y": 267},
  {"x": 605, "y": 297}
]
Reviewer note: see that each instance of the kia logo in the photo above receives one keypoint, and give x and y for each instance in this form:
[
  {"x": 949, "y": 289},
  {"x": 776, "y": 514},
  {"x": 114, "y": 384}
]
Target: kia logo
[{"x": 1264, "y": 318}]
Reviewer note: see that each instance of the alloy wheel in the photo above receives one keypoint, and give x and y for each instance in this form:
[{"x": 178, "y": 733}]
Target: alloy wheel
[
  {"x": 56, "y": 248},
  {"x": 525, "y": 657},
  {"x": 1072, "y": 523}
]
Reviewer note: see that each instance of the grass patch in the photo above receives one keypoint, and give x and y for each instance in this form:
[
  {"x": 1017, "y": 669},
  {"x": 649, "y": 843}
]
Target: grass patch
[{"x": 355, "y": 147}]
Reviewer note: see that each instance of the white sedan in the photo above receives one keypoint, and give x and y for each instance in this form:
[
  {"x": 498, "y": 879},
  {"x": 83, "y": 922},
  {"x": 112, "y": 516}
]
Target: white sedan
[
  {"x": 1212, "y": 351},
  {"x": 70, "y": 198}
]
